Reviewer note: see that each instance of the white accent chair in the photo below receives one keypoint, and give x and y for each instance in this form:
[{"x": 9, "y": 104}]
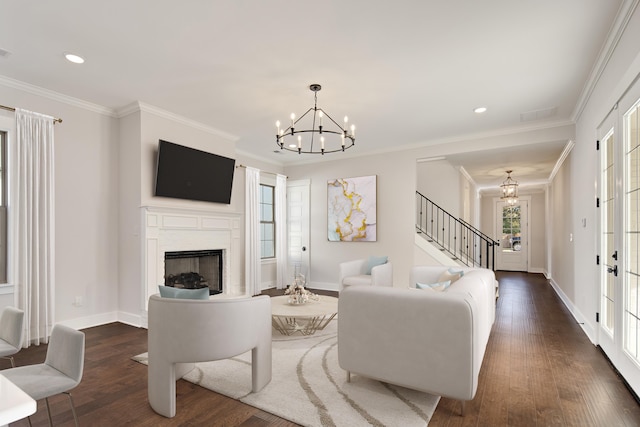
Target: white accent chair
[
  {"x": 11, "y": 332},
  {"x": 354, "y": 273},
  {"x": 60, "y": 372},
  {"x": 183, "y": 332}
]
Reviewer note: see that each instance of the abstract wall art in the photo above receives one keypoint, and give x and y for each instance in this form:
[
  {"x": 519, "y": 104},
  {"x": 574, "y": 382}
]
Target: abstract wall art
[{"x": 351, "y": 209}]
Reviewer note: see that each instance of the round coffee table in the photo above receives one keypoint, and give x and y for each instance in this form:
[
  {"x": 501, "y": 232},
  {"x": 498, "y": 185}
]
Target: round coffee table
[{"x": 304, "y": 318}]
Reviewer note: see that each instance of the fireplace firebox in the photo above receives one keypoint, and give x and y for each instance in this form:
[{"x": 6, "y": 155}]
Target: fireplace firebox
[{"x": 194, "y": 270}]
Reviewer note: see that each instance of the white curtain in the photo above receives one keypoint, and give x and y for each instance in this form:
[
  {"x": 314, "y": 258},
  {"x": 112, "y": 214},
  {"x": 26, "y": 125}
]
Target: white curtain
[
  {"x": 252, "y": 232},
  {"x": 32, "y": 223},
  {"x": 281, "y": 231}
]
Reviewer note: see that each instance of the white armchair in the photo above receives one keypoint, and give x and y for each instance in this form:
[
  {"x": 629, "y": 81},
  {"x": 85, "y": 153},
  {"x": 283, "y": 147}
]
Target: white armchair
[
  {"x": 354, "y": 273},
  {"x": 185, "y": 331}
]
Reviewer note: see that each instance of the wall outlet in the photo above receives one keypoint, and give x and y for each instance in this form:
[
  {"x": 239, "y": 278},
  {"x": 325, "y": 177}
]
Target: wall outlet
[{"x": 77, "y": 301}]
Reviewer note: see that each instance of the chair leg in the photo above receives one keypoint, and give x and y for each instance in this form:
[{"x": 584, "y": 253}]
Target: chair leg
[
  {"x": 13, "y": 365},
  {"x": 462, "y": 408},
  {"x": 29, "y": 418},
  {"x": 46, "y": 399},
  {"x": 73, "y": 408},
  {"x": 348, "y": 376}
]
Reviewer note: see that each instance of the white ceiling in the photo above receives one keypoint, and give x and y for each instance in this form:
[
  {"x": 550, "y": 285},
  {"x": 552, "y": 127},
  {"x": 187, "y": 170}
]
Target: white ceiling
[{"x": 405, "y": 72}]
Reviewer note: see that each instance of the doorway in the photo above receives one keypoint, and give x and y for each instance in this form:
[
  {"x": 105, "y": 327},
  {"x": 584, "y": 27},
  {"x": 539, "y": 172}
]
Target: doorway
[
  {"x": 512, "y": 231},
  {"x": 298, "y": 228}
]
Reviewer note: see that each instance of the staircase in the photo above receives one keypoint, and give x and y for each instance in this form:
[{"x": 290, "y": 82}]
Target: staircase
[{"x": 458, "y": 239}]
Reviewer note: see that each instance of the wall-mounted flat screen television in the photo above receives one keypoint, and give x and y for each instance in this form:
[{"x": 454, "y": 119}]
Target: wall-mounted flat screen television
[{"x": 187, "y": 173}]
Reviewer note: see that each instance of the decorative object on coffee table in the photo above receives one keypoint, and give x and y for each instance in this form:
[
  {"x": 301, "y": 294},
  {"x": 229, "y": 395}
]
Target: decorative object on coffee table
[{"x": 297, "y": 292}]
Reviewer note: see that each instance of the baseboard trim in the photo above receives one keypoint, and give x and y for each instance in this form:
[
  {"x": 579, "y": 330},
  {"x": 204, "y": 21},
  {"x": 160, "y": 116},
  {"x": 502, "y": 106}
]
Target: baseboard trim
[
  {"x": 323, "y": 286},
  {"x": 103, "y": 319},
  {"x": 580, "y": 319}
]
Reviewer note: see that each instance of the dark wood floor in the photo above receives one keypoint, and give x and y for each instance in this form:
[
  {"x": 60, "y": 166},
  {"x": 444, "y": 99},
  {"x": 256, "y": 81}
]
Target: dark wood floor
[{"x": 539, "y": 370}]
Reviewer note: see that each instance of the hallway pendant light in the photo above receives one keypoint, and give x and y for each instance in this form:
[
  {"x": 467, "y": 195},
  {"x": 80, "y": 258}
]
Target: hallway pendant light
[
  {"x": 308, "y": 135},
  {"x": 509, "y": 190}
]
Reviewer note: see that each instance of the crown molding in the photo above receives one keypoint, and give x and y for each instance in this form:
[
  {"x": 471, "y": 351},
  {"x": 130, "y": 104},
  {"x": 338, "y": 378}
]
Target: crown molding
[
  {"x": 627, "y": 8},
  {"x": 141, "y": 106},
  {"x": 56, "y": 96},
  {"x": 464, "y": 173},
  {"x": 561, "y": 159}
]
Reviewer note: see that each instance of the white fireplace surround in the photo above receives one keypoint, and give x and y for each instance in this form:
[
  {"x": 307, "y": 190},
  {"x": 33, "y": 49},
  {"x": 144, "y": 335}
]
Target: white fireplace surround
[{"x": 169, "y": 229}]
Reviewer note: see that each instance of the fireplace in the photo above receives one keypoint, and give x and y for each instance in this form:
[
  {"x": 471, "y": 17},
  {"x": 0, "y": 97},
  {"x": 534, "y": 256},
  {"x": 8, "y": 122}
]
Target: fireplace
[
  {"x": 169, "y": 230},
  {"x": 194, "y": 269}
]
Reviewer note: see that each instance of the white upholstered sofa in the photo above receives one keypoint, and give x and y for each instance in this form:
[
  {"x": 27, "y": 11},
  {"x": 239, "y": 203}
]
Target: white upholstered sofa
[
  {"x": 184, "y": 331},
  {"x": 420, "y": 339}
]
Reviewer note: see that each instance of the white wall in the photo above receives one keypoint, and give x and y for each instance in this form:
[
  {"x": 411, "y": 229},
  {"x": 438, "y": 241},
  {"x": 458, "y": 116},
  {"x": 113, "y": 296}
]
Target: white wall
[
  {"x": 396, "y": 178},
  {"x": 441, "y": 183},
  {"x": 574, "y": 271},
  {"x": 140, "y": 129},
  {"x": 86, "y": 203},
  {"x": 537, "y": 233},
  {"x": 397, "y": 182}
]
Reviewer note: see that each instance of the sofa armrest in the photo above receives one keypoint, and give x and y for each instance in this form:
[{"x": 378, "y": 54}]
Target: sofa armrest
[
  {"x": 382, "y": 275},
  {"x": 352, "y": 268},
  {"x": 412, "y": 338}
]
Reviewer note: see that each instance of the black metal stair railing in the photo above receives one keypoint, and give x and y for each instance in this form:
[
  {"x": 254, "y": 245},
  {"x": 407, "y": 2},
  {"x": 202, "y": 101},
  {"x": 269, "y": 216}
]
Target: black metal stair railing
[{"x": 459, "y": 239}]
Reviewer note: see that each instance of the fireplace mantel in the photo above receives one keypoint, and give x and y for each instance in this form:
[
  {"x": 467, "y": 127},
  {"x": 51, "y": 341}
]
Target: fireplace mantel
[{"x": 174, "y": 229}]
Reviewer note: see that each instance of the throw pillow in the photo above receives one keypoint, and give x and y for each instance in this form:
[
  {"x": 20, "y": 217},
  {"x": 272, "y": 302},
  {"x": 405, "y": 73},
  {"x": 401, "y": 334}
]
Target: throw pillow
[
  {"x": 446, "y": 275},
  {"x": 453, "y": 270},
  {"x": 374, "y": 261},
  {"x": 171, "y": 292},
  {"x": 439, "y": 287}
]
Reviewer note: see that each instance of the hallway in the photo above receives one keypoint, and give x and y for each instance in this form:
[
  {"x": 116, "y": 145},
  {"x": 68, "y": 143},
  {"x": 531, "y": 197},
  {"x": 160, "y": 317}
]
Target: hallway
[{"x": 540, "y": 369}]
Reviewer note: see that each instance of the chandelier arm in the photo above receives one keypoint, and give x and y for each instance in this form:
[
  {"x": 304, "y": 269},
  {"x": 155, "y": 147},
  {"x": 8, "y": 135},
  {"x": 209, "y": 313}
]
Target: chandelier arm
[
  {"x": 333, "y": 121},
  {"x": 288, "y": 130}
]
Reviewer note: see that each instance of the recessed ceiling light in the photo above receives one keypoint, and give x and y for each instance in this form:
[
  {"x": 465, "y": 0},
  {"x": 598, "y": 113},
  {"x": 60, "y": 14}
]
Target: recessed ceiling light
[
  {"x": 480, "y": 110},
  {"x": 71, "y": 57}
]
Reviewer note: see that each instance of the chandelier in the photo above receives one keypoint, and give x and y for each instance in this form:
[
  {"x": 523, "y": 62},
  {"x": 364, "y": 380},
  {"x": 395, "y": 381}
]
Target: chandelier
[
  {"x": 509, "y": 190},
  {"x": 316, "y": 138}
]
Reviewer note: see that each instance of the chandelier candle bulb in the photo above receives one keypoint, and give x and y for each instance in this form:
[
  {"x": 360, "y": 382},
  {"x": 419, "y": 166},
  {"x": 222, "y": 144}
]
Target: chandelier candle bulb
[{"x": 353, "y": 130}]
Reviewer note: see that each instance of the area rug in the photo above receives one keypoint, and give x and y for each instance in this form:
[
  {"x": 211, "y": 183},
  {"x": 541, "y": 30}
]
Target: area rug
[{"x": 308, "y": 387}]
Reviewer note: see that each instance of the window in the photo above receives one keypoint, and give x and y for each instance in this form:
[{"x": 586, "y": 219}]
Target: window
[
  {"x": 267, "y": 222},
  {"x": 511, "y": 229},
  {"x": 3, "y": 207}
]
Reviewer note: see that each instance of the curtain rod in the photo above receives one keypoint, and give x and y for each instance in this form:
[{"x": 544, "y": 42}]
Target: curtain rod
[
  {"x": 4, "y": 107},
  {"x": 271, "y": 173}
]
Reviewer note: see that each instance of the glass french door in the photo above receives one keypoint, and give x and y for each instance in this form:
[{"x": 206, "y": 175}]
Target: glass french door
[
  {"x": 608, "y": 238},
  {"x": 511, "y": 232},
  {"x": 619, "y": 214}
]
